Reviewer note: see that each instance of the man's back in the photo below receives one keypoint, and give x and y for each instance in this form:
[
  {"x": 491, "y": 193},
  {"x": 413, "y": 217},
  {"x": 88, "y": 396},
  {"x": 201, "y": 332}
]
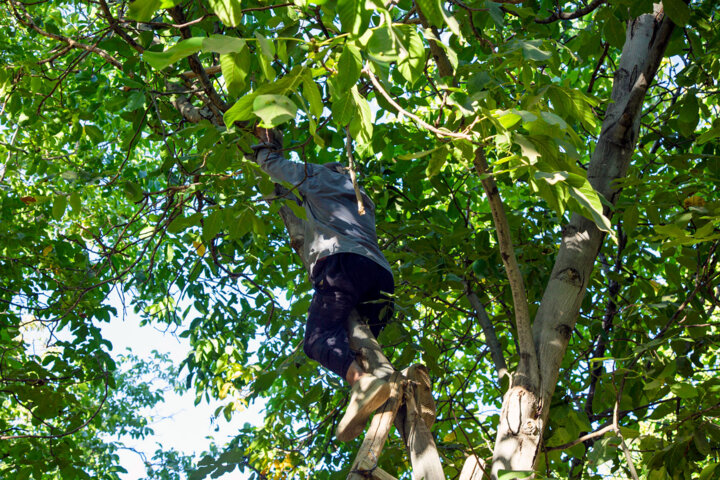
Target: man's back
[{"x": 334, "y": 224}]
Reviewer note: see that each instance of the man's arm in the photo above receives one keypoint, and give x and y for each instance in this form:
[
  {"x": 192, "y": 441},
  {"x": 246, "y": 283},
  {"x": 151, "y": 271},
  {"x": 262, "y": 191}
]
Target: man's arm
[{"x": 268, "y": 156}]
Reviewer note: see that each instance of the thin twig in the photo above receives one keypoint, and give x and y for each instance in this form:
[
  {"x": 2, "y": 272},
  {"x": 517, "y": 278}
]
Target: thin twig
[
  {"x": 560, "y": 15},
  {"x": 26, "y": 20},
  {"x": 616, "y": 428},
  {"x": 437, "y": 131},
  {"x": 584, "y": 438},
  {"x": 71, "y": 431}
]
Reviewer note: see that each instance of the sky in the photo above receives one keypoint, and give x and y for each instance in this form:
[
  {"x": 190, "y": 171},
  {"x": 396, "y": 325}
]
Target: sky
[{"x": 177, "y": 422}]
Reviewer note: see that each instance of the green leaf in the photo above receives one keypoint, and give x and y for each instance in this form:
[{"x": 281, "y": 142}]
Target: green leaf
[
  {"x": 514, "y": 474},
  {"x": 75, "y": 202},
  {"x": 58, "y": 208},
  {"x": 684, "y": 390},
  {"x": 528, "y": 148},
  {"x": 94, "y": 133},
  {"x": 508, "y": 118},
  {"x": 496, "y": 12},
  {"x": 589, "y": 201},
  {"x": 274, "y": 110},
  {"x": 383, "y": 45},
  {"x": 296, "y": 209},
  {"x": 707, "y": 472},
  {"x": 349, "y": 66},
  {"x": 228, "y": 11},
  {"x": 709, "y": 135},
  {"x": 143, "y": 10},
  {"x": 532, "y": 52},
  {"x": 212, "y": 225},
  {"x": 136, "y": 100},
  {"x": 411, "y": 62},
  {"x": 432, "y": 9},
  {"x": 243, "y": 108},
  {"x": 614, "y": 31},
  {"x": 184, "y": 48},
  {"x": 133, "y": 191},
  {"x": 678, "y": 11},
  {"x": 223, "y": 44},
  {"x": 354, "y": 18},
  {"x": 343, "y": 109},
  {"x": 266, "y": 46},
  {"x": 631, "y": 216},
  {"x": 361, "y": 123},
  {"x": 701, "y": 443},
  {"x": 311, "y": 92},
  {"x": 437, "y": 161},
  {"x": 414, "y": 155},
  {"x": 235, "y": 68}
]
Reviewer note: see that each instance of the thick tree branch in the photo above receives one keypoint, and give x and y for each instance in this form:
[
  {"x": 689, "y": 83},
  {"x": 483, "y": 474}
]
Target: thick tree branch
[
  {"x": 645, "y": 77},
  {"x": 528, "y": 367},
  {"x": 445, "y": 68}
]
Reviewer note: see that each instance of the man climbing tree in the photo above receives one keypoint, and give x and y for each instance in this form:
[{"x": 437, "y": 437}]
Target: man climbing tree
[{"x": 347, "y": 270}]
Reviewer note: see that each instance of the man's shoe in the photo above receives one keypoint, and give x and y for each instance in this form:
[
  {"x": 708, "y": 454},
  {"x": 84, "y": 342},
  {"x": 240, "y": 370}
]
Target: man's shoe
[{"x": 366, "y": 396}]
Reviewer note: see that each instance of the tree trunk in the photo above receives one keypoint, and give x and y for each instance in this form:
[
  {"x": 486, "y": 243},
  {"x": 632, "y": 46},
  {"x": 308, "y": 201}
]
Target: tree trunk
[{"x": 525, "y": 411}]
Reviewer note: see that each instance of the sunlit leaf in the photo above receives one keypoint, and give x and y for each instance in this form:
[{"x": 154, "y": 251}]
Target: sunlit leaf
[
  {"x": 274, "y": 110},
  {"x": 228, "y": 11}
]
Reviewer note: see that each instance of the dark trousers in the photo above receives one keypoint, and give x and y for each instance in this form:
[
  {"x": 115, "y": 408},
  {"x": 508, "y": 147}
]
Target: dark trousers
[{"x": 343, "y": 282}]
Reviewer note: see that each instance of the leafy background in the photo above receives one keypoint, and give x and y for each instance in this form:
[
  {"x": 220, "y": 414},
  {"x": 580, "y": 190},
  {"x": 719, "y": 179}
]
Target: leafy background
[{"x": 126, "y": 166}]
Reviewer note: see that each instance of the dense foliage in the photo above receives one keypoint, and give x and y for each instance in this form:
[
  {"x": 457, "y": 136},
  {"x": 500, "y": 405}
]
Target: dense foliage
[{"x": 126, "y": 165}]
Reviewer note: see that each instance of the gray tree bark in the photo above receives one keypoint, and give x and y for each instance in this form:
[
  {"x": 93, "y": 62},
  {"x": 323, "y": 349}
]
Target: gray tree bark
[{"x": 526, "y": 407}]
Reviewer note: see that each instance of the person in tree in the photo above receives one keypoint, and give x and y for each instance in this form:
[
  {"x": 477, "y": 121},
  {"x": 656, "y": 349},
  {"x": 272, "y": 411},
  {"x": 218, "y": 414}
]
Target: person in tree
[{"x": 347, "y": 269}]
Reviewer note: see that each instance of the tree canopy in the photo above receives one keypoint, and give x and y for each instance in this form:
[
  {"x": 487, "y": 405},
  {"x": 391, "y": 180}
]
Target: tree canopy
[{"x": 125, "y": 134}]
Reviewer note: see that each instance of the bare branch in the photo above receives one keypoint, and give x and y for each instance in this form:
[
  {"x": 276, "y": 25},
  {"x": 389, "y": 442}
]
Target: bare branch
[
  {"x": 528, "y": 358},
  {"x": 560, "y": 15},
  {"x": 490, "y": 337},
  {"x": 597, "y": 433}
]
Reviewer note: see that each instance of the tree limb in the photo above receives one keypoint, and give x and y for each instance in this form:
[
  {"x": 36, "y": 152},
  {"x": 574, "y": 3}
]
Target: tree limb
[
  {"x": 528, "y": 367},
  {"x": 491, "y": 339},
  {"x": 642, "y": 83},
  {"x": 560, "y": 15}
]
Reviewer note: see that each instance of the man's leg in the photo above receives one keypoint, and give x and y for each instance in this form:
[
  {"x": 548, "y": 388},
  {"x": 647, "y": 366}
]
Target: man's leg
[
  {"x": 326, "y": 341},
  {"x": 375, "y": 303}
]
